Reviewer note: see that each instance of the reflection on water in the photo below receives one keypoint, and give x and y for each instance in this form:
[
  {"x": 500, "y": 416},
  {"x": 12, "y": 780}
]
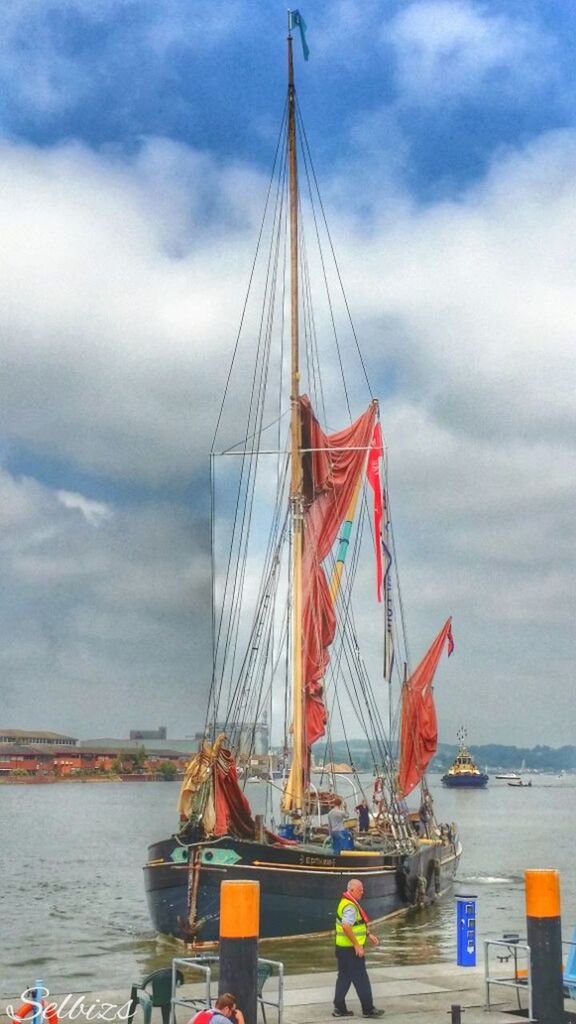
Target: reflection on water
[
  {"x": 72, "y": 899},
  {"x": 422, "y": 937}
]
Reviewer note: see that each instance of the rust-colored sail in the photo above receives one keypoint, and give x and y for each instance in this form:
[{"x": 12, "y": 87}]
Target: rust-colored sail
[
  {"x": 331, "y": 467},
  {"x": 331, "y": 471},
  {"x": 419, "y": 731}
]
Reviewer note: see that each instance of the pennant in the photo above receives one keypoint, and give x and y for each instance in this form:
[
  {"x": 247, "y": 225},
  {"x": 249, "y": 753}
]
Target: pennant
[
  {"x": 450, "y": 639},
  {"x": 295, "y": 20},
  {"x": 381, "y": 539},
  {"x": 373, "y": 476}
]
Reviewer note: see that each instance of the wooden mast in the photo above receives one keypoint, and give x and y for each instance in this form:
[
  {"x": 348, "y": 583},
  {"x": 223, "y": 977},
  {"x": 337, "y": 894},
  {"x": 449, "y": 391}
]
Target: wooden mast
[{"x": 299, "y": 753}]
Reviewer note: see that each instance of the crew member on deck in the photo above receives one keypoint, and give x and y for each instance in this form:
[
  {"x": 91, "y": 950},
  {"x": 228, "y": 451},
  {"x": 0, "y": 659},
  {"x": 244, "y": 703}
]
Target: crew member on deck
[
  {"x": 363, "y": 816},
  {"x": 336, "y": 819}
]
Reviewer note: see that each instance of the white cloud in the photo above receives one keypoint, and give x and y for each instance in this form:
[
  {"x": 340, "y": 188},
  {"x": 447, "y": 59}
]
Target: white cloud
[
  {"x": 474, "y": 300},
  {"x": 97, "y": 623},
  {"x": 120, "y": 303},
  {"x": 95, "y": 512},
  {"x": 114, "y": 310},
  {"x": 47, "y": 68},
  {"x": 449, "y": 49}
]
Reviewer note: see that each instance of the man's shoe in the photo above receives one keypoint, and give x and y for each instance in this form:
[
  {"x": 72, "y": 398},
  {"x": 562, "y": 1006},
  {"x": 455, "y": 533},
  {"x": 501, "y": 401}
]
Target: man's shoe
[
  {"x": 373, "y": 1013},
  {"x": 342, "y": 1013}
]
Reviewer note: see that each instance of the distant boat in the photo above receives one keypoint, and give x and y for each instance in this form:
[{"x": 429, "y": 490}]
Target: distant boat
[
  {"x": 519, "y": 782},
  {"x": 464, "y": 771},
  {"x": 509, "y": 777}
]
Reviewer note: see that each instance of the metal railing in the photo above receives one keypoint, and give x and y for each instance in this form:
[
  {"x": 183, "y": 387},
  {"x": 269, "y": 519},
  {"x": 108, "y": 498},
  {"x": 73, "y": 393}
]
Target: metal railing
[
  {"x": 522, "y": 983},
  {"x": 203, "y": 965}
]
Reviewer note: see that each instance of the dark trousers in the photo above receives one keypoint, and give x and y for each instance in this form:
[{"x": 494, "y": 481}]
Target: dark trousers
[{"x": 352, "y": 971}]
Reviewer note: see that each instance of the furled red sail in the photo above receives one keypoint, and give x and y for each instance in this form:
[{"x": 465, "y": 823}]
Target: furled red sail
[
  {"x": 331, "y": 468},
  {"x": 419, "y": 731},
  {"x": 211, "y": 794}
]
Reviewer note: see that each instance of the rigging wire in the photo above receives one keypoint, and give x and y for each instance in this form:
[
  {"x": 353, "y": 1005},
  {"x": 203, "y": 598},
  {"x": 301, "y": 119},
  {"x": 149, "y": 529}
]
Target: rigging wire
[
  {"x": 333, "y": 251},
  {"x": 307, "y": 157},
  {"x": 250, "y": 678},
  {"x": 242, "y": 514}
]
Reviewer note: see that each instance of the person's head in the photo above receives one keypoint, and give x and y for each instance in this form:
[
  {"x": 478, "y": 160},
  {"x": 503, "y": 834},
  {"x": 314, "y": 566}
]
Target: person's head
[
  {"x": 338, "y": 801},
  {"x": 364, "y": 803},
  {"x": 226, "y": 1004},
  {"x": 355, "y": 888}
]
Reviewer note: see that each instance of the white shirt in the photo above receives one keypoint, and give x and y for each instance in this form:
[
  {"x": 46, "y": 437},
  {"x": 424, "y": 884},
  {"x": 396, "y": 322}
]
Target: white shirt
[
  {"x": 336, "y": 819},
  {"x": 349, "y": 915}
]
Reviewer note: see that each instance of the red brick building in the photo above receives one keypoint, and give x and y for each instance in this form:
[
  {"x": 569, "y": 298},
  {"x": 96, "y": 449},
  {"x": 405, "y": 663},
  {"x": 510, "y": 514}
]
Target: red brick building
[{"x": 49, "y": 754}]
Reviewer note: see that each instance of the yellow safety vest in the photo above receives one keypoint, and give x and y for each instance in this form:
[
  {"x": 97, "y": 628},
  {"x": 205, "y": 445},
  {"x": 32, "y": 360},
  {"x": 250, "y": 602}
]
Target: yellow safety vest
[{"x": 359, "y": 928}]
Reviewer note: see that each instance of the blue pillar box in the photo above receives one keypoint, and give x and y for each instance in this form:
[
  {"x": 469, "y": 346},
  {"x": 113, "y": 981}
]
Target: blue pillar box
[{"x": 466, "y": 931}]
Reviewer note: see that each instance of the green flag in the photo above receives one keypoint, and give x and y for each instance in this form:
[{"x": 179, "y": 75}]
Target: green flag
[{"x": 295, "y": 20}]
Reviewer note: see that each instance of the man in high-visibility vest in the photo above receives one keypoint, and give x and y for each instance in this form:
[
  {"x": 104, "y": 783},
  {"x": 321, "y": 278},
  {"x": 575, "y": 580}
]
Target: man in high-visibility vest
[{"x": 352, "y": 933}]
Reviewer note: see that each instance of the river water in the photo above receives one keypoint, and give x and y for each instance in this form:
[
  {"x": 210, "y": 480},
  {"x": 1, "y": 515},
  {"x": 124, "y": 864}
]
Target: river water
[{"x": 72, "y": 904}]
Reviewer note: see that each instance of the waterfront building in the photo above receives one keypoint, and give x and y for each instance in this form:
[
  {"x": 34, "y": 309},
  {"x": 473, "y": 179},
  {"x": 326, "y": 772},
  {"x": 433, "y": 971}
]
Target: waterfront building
[{"x": 24, "y": 736}]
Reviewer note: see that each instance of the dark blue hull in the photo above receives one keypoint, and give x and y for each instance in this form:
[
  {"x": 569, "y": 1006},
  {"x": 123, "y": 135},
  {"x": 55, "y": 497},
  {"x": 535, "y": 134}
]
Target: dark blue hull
[
  {"x": 471, "y": 781},
  {"x": 298, "y": 888}
]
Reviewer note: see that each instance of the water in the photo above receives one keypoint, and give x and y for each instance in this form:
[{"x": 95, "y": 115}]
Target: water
[{"x": 72, "y": 903}]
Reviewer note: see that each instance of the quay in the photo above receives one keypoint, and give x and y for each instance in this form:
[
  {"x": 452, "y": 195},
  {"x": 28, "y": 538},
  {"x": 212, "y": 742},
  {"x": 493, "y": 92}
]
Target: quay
[{"x": 408, "y": 994}]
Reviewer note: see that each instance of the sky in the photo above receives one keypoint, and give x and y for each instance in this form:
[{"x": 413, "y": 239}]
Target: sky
[{"x": 136, "y": 140}]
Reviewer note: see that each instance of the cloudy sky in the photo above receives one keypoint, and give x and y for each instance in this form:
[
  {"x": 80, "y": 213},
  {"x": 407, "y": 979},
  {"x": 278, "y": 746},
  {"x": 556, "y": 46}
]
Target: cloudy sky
[{"x": 136, "y": 140}]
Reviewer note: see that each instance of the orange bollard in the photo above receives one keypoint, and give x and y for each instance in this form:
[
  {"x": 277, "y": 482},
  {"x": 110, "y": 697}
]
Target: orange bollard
[
  {"x": 544, "y": 929},
  {"x": 239, "y": 933}
]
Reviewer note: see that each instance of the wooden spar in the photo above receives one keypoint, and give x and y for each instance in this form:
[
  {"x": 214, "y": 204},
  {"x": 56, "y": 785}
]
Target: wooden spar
[{"x": 296, "y": 785}]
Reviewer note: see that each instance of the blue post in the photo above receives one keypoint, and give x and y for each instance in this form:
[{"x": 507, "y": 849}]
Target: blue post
[
  {"x": 38, "y": 993},
  {"x": 466, "y": 931}
]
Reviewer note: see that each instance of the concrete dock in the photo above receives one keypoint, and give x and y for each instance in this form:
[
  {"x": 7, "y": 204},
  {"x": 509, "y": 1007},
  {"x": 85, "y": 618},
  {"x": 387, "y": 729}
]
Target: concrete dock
[{"x": 407, "y": 993}]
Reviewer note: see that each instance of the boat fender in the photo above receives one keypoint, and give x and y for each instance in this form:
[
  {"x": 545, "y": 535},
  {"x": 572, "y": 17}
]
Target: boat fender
[
  {"x": 48, "y": 1012},
  {"x": 420, "y": 894}
]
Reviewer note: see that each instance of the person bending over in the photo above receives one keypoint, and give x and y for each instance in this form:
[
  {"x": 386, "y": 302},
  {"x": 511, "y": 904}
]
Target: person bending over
[{"x": 224, "y": 1011}]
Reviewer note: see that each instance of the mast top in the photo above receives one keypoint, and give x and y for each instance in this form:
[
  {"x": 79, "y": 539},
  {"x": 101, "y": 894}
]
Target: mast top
[{"x": 295, "y": 19}]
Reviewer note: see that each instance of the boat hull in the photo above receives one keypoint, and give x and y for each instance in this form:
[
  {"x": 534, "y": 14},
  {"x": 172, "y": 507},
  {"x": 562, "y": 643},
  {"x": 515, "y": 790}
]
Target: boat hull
[
  {"x": 463, "y": 780},
  {"x": 298, "y": 889}
]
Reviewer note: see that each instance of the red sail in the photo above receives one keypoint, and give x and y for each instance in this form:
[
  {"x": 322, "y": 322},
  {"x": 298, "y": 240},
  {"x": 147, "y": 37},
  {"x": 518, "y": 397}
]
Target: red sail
[
  {"x": 419, "y": 732},
  {"x": 233, "y": 814},
  {"x": 331, "y": 468}
]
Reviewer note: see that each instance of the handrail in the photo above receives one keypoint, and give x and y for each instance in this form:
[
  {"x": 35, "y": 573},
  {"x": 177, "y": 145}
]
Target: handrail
[
  {"x": 521, "y": 985},
  {"x": 203, "y": 964},
  {"x": 199, "y": 963}
]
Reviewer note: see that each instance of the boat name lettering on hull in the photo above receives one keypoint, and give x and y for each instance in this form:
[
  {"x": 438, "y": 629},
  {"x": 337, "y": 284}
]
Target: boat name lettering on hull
[{"x": 325, "y": 862}]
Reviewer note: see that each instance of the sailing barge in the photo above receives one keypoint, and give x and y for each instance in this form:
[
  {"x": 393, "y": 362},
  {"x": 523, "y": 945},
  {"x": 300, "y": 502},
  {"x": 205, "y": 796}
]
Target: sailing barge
[{"x": 329, "y": 508}]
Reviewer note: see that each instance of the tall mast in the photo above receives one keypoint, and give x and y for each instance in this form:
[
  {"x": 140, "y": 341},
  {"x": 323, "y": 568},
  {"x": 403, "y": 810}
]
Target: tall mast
[{"x": 299, "y": 754}]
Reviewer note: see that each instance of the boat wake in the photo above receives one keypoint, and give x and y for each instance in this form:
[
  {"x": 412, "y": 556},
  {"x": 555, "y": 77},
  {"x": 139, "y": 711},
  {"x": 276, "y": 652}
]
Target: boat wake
[{"x": 490, "y": 879}]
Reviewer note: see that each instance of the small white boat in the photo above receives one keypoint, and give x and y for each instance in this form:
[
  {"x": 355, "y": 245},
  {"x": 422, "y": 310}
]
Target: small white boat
[{"x": 509, "y": 777}]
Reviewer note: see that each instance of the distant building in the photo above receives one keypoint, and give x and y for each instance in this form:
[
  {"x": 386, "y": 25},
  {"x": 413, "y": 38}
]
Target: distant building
[
  {"x": 186, "y": 746},
  {"x": 149, "y": 734},
  {"x": 37, "y": 738},
  {"x": 63, "y": 761}
]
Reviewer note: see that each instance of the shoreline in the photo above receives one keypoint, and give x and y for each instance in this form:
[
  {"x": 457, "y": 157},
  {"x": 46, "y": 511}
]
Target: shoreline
[{"x": 51, "y": 781}]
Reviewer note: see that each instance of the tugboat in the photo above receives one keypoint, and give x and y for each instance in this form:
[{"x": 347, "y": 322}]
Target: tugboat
[{"x": 464, "y": 771}]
